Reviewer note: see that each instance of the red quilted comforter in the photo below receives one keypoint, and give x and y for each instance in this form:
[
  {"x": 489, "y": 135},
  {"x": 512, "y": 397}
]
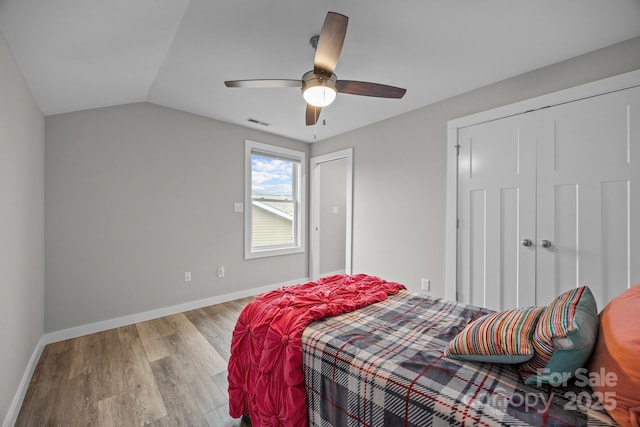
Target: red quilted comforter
[{"x": 265, "y": 369}]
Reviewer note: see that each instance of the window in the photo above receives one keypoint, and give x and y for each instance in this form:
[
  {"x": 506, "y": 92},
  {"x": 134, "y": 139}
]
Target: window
[{"x": 274, "y": 200}]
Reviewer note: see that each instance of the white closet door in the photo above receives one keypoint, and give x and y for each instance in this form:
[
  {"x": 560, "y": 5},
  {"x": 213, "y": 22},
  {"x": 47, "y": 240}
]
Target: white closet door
[
  {"x": 496, "y": 211},
  {"x": 588, "y": 196}
]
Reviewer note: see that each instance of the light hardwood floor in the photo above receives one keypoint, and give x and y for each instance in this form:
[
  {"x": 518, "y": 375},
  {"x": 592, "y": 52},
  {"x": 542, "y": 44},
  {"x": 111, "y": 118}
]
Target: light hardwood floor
[{"x": 170, "y": 371}]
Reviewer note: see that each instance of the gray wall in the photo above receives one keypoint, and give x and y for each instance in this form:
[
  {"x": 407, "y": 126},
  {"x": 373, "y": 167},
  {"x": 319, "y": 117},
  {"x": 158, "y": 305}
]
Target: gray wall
[
  {"x": 399, "y": 167},
  {"x": 135, "y": 196},
  {"x": 21, "y": 226}
]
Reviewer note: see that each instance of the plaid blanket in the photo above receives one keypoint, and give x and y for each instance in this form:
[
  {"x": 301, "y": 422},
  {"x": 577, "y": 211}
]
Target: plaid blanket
[{"x": 383, "y": 365}]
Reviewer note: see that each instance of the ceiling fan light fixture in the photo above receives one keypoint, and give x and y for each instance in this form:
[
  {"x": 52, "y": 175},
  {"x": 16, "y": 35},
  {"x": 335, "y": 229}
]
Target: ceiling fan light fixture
[
  {"x": 319, "y": 96},
  {"x": 317, "y": 90}
]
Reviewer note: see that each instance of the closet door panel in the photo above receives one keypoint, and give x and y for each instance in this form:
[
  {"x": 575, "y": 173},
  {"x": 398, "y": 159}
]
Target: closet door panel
[
  {"x": 496, "y": 210},
  {"x": 565, "y": 241},
  {"x": 616, "y": 232},
  {"x": 587, "y": 174},
  {"x": 477, "y": 244},
  {"x": 509, "y": 256}
]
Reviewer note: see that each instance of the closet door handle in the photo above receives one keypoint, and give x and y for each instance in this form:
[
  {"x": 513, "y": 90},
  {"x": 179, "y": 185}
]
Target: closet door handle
[
  {"x": 544, "y": 244},
  {"x": 526, "y": 242}
]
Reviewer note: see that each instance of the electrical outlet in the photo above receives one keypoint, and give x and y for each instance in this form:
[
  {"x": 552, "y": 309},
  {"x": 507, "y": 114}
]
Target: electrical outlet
[
  {"x": 221, "y": 271},
  {"x": 187, "y": 276},
  {"x": 426, "y": 285}
]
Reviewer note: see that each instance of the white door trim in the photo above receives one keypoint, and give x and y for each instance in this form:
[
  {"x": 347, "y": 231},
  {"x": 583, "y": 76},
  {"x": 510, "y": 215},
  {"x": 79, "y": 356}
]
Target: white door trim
[
  {"x": 611, "y": 84},
  {"x": 314, "y": 249}
]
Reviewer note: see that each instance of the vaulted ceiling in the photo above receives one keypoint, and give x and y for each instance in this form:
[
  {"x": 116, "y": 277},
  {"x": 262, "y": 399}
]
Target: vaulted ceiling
[{"x": 81, "y": 54}]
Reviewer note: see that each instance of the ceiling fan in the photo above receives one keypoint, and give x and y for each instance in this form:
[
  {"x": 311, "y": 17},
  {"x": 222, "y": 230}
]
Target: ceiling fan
[{"x": 320, "y": 85}]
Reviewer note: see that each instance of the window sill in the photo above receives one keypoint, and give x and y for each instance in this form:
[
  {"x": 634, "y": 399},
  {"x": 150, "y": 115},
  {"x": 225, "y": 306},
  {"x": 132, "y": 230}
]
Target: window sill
[{"x": 262, "y": 253}]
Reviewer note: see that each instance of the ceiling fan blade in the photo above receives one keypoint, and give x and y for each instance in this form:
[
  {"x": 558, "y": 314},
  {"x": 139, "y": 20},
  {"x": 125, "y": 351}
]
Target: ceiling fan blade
[
  {"x": 330, "y": 43},
  {"x": 264, "y": 83},
  {"x": 353, "y": 87},
  {"x": 313, "y": 113}
]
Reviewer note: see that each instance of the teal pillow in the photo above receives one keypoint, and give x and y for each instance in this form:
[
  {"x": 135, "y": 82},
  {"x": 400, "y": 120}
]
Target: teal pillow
[
  {"x": 563, "y": 339},
  {"x": 502, "y": 337}
]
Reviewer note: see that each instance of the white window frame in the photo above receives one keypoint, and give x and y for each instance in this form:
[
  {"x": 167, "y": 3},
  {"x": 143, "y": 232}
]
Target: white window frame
[{"x": 298, "y": 246}]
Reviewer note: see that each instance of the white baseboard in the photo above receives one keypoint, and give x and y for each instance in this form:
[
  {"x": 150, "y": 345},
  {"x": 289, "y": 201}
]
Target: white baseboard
[
  {"x": 105, "y": 325},
  {"x": 16, "y": 404}
]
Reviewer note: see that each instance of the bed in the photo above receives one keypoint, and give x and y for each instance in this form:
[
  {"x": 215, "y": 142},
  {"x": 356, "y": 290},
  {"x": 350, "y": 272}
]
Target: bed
[{"x": 383, "y": 364}]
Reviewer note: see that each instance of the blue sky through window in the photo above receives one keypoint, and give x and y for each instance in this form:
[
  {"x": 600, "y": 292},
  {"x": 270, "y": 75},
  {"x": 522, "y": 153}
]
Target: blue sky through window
[{"x": 271, "y": 176}]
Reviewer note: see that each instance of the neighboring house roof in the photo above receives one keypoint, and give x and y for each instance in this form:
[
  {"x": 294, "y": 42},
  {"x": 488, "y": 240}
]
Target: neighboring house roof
[{"x": 283, "y": 208}]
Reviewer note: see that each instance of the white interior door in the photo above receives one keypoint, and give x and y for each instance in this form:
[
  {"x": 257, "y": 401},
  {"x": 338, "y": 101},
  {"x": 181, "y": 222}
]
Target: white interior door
[
  {"x": 496, "y": 211},
  {"x": 331, "y": 213},
  {"x": 588, "y": 195}
]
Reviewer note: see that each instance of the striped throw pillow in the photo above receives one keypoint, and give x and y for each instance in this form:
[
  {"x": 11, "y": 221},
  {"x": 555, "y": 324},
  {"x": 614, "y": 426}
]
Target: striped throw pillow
[
  {"x": 502, "y": 337},
  {"x": 563, "y": 338}
]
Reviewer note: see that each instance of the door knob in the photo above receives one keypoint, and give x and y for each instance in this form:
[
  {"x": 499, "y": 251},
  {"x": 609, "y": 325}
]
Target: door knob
[
  {"x": 526, "y": 242},
  {"x": 544, "y": 244}
]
